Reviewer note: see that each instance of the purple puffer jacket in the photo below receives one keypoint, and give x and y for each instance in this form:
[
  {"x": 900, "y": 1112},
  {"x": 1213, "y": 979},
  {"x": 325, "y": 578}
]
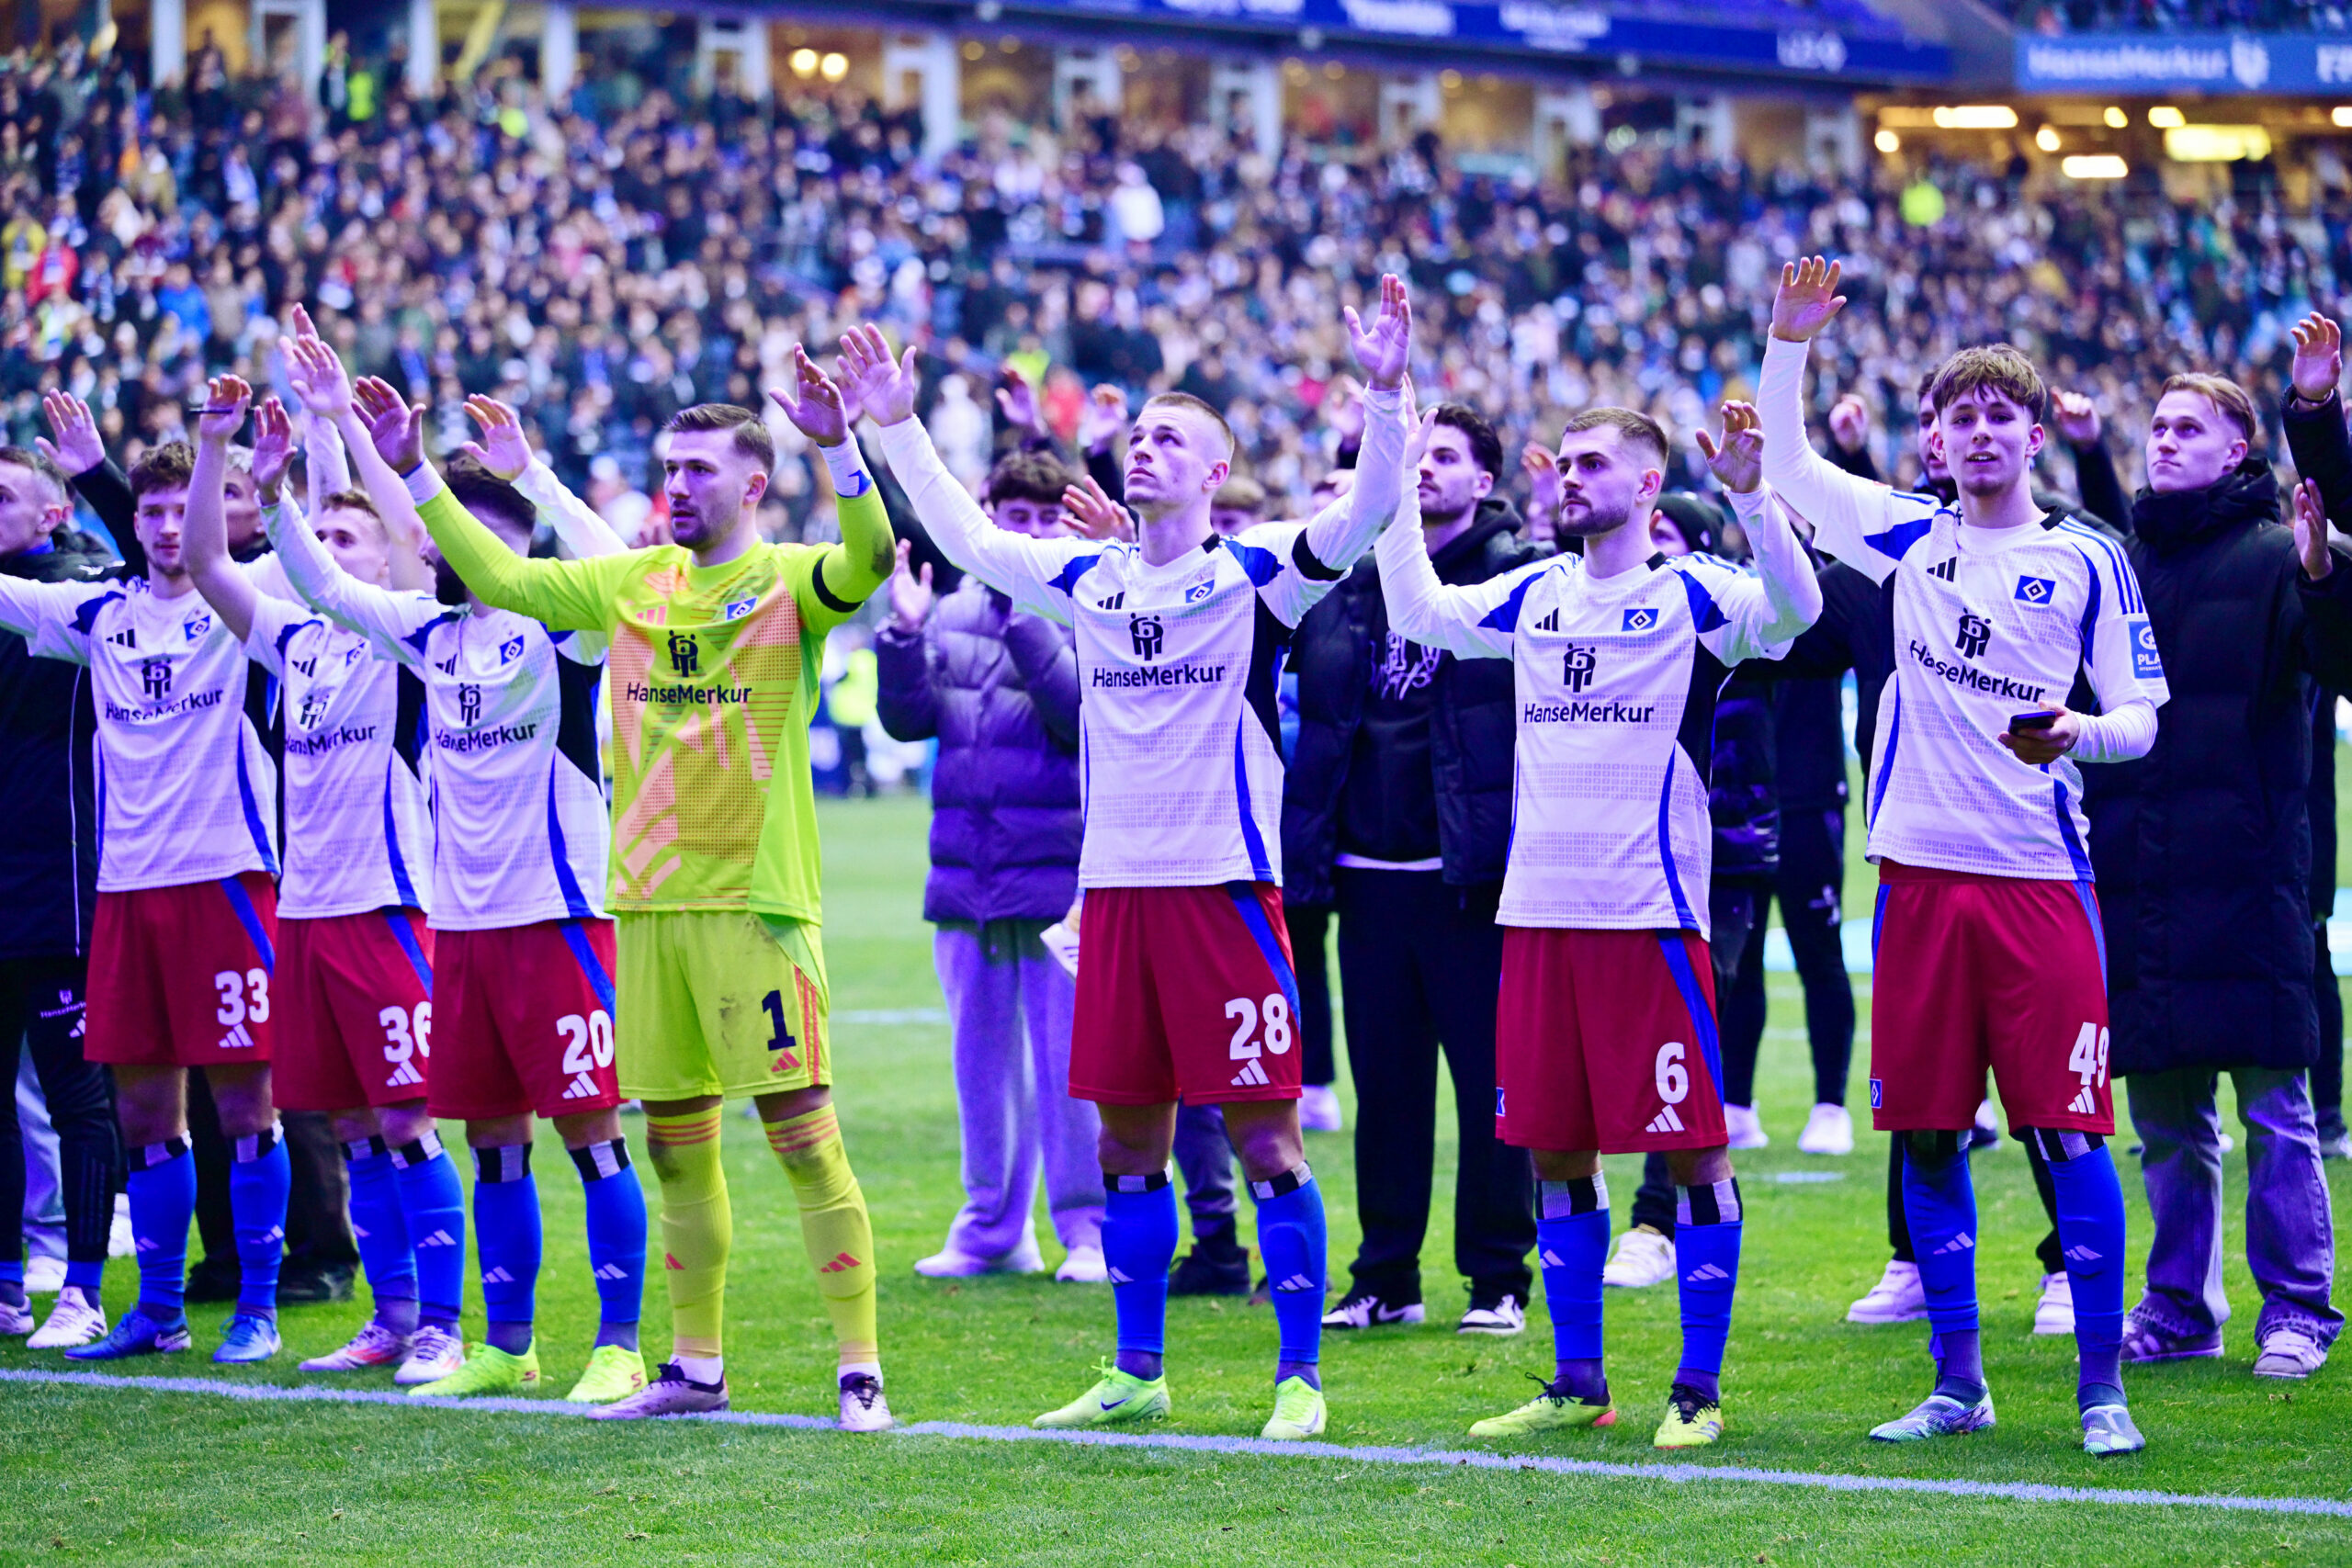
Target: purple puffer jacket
[{"x": 1000, "y": 689}]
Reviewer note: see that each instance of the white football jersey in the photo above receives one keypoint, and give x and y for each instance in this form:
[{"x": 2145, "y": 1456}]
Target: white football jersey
[
  {"x": 358, "y": 826},
  {"x": 186, "y": 790}
]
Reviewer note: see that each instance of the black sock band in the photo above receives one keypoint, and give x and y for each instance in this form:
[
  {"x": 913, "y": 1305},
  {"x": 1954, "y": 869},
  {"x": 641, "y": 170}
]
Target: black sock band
[
  {"x": 147, "y": 1156},
  {"x": 1151, "y": 1183},
  {"x": 357, "y": 1149},
  {"x": 1578, "y": 1195},
  {"x": 256, "y": 1146},
  {"x": 1708, "y": 1203},
  {"x": 504, "y": 1162},
  {"x": 1289, "y": 1182},
  {"x": 2059, "y": 1146},
  {"x": 425, "y": 1151},
  {"x": 597, "y": 1161}
]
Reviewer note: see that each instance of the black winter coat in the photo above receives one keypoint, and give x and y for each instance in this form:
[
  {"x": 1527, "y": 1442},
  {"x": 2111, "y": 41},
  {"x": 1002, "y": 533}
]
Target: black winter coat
[
  {"x": 1472, "y": 728},
  {"x": 2202, "y": 848}
]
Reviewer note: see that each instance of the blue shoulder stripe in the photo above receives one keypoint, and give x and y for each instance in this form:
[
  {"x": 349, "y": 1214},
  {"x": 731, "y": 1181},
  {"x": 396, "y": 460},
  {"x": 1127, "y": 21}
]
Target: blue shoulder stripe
[
  {"x": 2127, "y": 591},
  {"x": 1504, "y": 618},
  {"x": 1705, "y": 614},
  {"x": 1260, "y": 564},
  {"x": 1064, "y": 582},
  {"x": 1896, "y": 542},
  {"x": 85, "y": 614}
]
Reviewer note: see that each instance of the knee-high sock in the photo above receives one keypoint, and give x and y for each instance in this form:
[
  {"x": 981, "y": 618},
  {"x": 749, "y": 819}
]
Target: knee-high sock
[
  {"x": 161, "y": 1186},
  {"x": 1138, "y": 1243},
  {"x": 506, "y": 1244},
  {"x": 1706, "y": 1258},
  {"x": 260, "y": 1178},
  {"x": 382, "y": 1231},
  {"x": 616, "y": 1238},
  {"x": 1292, "y": 1241},
  {"x": 1939, "y": 1203},
  {"x": 834, "y": 1227},
  {"x": 697, "y": 1227},
  {"x": 2090, "y": 1229},
  {"x": 1572, "y": 1243},
  {"x": 433, "y": 1207}
]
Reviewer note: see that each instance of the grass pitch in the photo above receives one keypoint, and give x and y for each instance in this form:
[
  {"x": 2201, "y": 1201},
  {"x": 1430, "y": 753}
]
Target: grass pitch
[{"x": 105, "y": 1474}]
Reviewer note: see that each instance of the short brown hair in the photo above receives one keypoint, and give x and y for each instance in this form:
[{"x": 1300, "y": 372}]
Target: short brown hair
[
  {"x": 486, "y": 495},
  {"x": 168, "y": 466},
  {"x": 2229, "y": 400},
  {"x": 1241, "y": 493},
  {"x": 1991, "y": 368},
  {"x": 1028, "y": 475},
  {"x": 351, "y": 501},
  {"x": 1186, "y": 401},
  {"x": 1633, "y": 427},
  {"x": 41, "y": 468},
  {"x": 751, "y": 437}
]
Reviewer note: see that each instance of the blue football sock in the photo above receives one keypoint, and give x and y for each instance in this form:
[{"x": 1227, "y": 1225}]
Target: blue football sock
[
  {"x": 161, "y": 1187},
  {"x": 12, "y": 1282},
  {"x": 506, "y": 1244},
  {"x": 1292, "y": 1242},
  {"x": 85, "y": 1274},
  {"x": 1138, "y": 1243},
  {"x": 260, "y": 1176},
  {"x": 1939, "y": 1201},
  {"x": 432, "y": 1211},
  {"x": 1706, "y": 1258},
  {"x": 2090, "y": 1232},
  {"x": 616, "y": 1238},
  {"x": 1571, "y": 1243},
  {"x": 381, "y": 1231}
]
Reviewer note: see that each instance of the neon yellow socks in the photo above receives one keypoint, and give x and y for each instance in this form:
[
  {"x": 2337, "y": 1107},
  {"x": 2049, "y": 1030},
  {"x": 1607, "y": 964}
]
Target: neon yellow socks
[
  {"x": 833, "y": 1226},
  {"x": 697, "y": 1226}
]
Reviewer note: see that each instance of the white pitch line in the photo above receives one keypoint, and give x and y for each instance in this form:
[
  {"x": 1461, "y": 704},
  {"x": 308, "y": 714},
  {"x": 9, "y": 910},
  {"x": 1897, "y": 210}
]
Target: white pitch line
[{"x": 2003, "y": 1491}]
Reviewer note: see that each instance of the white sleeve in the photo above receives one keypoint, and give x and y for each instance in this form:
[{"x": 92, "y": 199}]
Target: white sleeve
[
  {"x": 1339, "y": 535},
  {"x": 50, "y": 616},
  {"x": 386, "y": 619},
  {"x": 2119, "y": 735},
  {"x": 577, "y": 526},
  {"x": 1035, "y": 574},
  {"x": 326, "y": 468},
  {"x": 1763, "y": 613},
  {"x": 1475, "y": 622},
  {"x": 275, "y": 622},
  {"x": 1860, "y": 522}
]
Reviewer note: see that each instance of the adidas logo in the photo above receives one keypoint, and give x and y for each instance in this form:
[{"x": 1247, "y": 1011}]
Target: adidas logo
[
  {"x": 1703, "y": 1272},
  {"x": 496, "y": 1276},
  {"x": 1551, "y": 1259},
  {"x": 842, "y": 1262},
  {"x": 1119, "y": 1275},
  {"x": 612, "y": 1272},
  {"x": 148, "y": 1244},
  {"x": 237, "y": 1039},
  {"x": 2084, "y": 1104},
  {"x": 1116, "y": 601},
  {"x": 1960, "y": 1243},
  {"x": 362, "y": 1232},
  {"x": 438, "y": 1238},
  {"x": 2080, "y": 1255},
  {"x": 582, "y": 1086},
  {"x": 1295, "y": 1282},
  {"x": 1947, "y": 570},
  {"x": 1664, "y": 1121},
  {"x": 669, "y": 1261},
  {"x": 404, "y": 1074},
  {"x": 1549, "y": 623},
  {"x": 277, "y": 1233},
  {"x": 1252, "y": 1073}
]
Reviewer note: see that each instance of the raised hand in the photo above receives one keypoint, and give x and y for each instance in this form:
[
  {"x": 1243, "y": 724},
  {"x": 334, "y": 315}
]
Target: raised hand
[
  {"x": 316, "y": 374},
  {"x": 1849, "y": 424},
  {"x": 2077, "y": 418},
  {"x": 1017, "y": 400},
  {"x": 394, "y": 428},
  {"x": 885, "y": 386},
  {"x": 1383, "y": 345},
  {"x": 1092, "y": 512},
  {"x": 273, "y": 448},
  {"x": 814, "y": 402},
  {"x": 910, "y": 593},
  {"x": 503, "y": 448},
  {"x": 1102, "y": 417},
  {"x": 1543, "y": 471},
  {"x": 2319, "y": 357},
  {"x": 223, "y": 414},
  {"x": 2311, "y": 531},
  {"x": 1737, "y": 459},
  {"x": 297, "y": 322},
  {"x": 76, "y": 448},
  {"x": 1808, "y": 299},
  {"x": 1419, "y": 427}
]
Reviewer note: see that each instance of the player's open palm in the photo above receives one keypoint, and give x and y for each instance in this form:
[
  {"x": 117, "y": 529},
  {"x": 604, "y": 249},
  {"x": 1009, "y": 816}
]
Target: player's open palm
[
  {"x": 886, "y": 387},
  {"x": 1102, "y": 418},
  {"x": 317, "y": 376},
  {"x": 77, "y": 448},
  {"x": 2319, "y": 357},
  {"x": 1088, "y": 508},
  {"x": 1808, "y": 299},
  {"x": 225, "y": 399},
  {"x": 2311, "y": 531},
  {"x": 1737, "y": 458},
  {"x": 273, "y": 447},
  {"x": 910, "y": 592},
  {"x": 2076, "y": 416},
  {"x": 1017, "y": 400},
  {"x": 503, "y": 448},
  {"x": 394, "y": 428},
  {"x": 1384, "y": 344},
  {"x": 813, "y": 402}
]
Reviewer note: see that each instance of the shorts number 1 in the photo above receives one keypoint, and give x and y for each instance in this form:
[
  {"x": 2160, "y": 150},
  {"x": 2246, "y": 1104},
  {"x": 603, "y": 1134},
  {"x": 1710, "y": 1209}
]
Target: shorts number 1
[{"x": 782, "y": 1039}]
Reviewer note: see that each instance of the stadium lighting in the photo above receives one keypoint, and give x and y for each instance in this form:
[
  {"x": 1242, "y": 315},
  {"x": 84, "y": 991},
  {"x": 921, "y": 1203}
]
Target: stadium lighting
[
  {"x": 804, "y": 63},
  {"x": 1976, "y": 117},
  {"x": 2343, "y": 114},
  {"x": 1887, "y": 141},
  {"x": 2216, "y": 143},
  {"x": 2046, "y": 138},
  {"x": 2116, "y": 118},
  {"x": 833, "y": 67},
  {"x": 2093, "y": 166},
  {"x": 2164, "y": 117}
]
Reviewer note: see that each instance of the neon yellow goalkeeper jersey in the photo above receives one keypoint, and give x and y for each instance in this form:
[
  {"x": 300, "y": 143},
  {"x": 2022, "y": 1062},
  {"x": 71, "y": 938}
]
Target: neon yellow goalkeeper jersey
[{"x": 714, "y": 679}]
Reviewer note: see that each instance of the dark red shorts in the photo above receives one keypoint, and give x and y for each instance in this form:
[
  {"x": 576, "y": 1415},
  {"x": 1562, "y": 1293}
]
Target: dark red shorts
[
  {"x": 1977, "y": 973},
  {"x": 180, "y": 977},
  {"x": 1606, "y": 1040},
  {"x": 354, "y": 995},
  {"x": 523, "y": 1018},
  {"x": 1184, "y": 993}
]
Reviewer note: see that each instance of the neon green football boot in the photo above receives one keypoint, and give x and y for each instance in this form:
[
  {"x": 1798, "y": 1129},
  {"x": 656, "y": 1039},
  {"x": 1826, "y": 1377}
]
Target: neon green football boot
[
  {"x": 1298, "y": 1412},
  {"x": 1117, "y": 1399},
  {"x": 1547, "y": 1412},
  {"x": 1692, "y": 1420},
  {"x": 613, "y": 1373},
  {"x": 486, "y": 1369}
]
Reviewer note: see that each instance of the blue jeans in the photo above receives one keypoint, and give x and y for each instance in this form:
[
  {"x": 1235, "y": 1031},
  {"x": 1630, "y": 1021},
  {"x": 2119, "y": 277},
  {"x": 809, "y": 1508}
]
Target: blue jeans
[{"x": 2290, "y": 1232}]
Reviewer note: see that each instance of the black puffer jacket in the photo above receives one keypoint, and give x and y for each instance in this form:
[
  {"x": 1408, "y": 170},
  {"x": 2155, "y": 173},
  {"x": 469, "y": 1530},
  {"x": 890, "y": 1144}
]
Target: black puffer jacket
[
  {"x": 1473, "y": 730},
  {"x": 2202, "y": 848}
]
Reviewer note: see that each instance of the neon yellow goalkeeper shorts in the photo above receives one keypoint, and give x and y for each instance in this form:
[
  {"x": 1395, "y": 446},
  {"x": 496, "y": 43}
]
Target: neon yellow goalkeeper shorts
[{"x": 722, "y": 1003}]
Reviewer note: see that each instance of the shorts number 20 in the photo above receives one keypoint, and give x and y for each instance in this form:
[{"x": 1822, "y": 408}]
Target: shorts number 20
[
  {"x": 1246, "y": 1013},
  {"x": 587, "y": 1042}
]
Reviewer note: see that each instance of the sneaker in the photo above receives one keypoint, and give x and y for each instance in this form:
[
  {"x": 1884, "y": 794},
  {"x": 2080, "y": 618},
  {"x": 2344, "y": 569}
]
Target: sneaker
[
  {"x": 1643, "y": 1258},
  {"x": 1298, "y": 1412},
  {"x": 1210, "y": 1270},
  {"x": 2335, "y": 1145},
  {"x": 1692, "y": 1420},
  {"x": 76, "y": 1319},
  {"x": 1368, "y": 1309},
  {"x": 2144, "y": 1341},
  {"x": 949, "y": 1264},
  {"x": 1829, "y": 1130},
  {"x": 2107, "y": 1430},
  {"x": 863, "y": 1407},
  {"x": 1318, "y": 1109},
  {"x": 1499, "y": 1313},
  {"x": 373, "y": 1346},
  {"x": 213, "y": 1280},
  {"x": 1898, "y": 1297},
  {"x": 2055, "y": 1313},
  {"x": 249, "y": 1337},
  {"x": 1986, "y": 1131},
  {"x": 485, "y": 1370},
  {"x": 1117, "y": 1399},
  {"x": 2228, "y": 1144},
  {"x": 671, "y": 1393},
  {"x": 2288, "y": 1352},
  {"x": 135, "y": 1335},
  {"x": 1549, "y": 1411},
  {"x": 433, "y": 1354},
  {"x": 1938, "y": 1415},
  {"x": 309, "y": 1283},
  {"x": 1747, "y": 1129},
  {"x": 44, "y": 1276},
  {"x": 14, "y": 1319},
  {"x": 613, "y": 1373},
  {"x": 1083, "y": 1266}
]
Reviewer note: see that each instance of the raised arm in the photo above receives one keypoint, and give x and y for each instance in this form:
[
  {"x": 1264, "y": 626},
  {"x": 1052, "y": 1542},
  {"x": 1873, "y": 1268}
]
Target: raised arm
[
  {"x": 504, "y": 452},
  {"x": 1474, "y": 621},
  {"x": 101, "y": 485},
  {"x": 1784, "y": 581},
  {"x": 846, "y": 575},
  {"x": 1383, "y": 346},
  {"x": 206, "y": 530},
  {"x": 325, "y": 389},
  {"x": 52, "y": 617},
  {"x": 1852, "y": 518}
]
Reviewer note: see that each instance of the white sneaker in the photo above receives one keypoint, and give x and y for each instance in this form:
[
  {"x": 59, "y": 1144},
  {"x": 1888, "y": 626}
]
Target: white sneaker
[
  {"x": 44, "y": 1276},
  {"x": 1898, "y": 1297},
  {"x": 949, "y": 1264},
  {"x": 1501, "y": 1317},
  {"x": 1643, "y": 1258},
  {"x": 863, "y": 1407},
  {"x": 373, "y": 1346},
  {"x": 2228, "y": 1143},
  {"x": 436, "y": 1353},
  {"x": 76, "y": 1319},
  {"x": 1986, "y": 1127},
  {"x": 1745, "y": 1128},
  {"x": 120, "y": 1243},
  {"x": 1829, "y": 1130},
  {"x": 1318, "y": 1109},
  {"x": 2055, "y": 1313},
  {"x": 14, "y": 1320},
  {"x": 2331, "y": 1145},
  {"x": 2288, "y": 1351},
  {"x": 1084, "y": 1266}
]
